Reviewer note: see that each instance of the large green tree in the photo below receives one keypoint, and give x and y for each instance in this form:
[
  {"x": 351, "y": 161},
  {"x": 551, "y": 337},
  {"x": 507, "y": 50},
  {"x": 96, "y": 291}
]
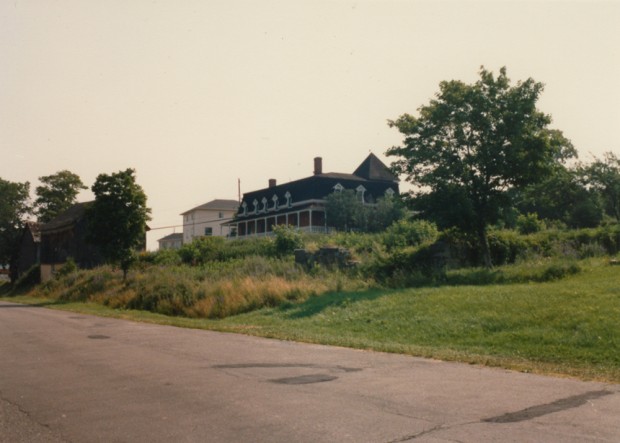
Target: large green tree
[
  {"x": 345, "y": 211},
  {"x": 14, "y": 209},
  {"x": 603, "y": 176},
  {"x": 56, "y": 194},
  {"x": 471, "y": 145},
  {"x": 117, "y": 218},
  {"x": 565, "y": 196}
]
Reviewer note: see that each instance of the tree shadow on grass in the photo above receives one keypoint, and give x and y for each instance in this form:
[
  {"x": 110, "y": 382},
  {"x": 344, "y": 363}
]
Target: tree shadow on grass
[{"x": 316, "y": 305}]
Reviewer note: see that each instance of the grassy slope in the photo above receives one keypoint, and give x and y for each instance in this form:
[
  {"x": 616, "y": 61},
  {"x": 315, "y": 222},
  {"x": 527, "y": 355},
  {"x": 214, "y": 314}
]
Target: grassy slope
[{"x": 567, "y": 327}]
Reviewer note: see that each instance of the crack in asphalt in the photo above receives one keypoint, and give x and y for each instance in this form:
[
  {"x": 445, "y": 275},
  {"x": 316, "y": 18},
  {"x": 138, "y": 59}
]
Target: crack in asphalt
[
  {"x": 530, "y": 413},
  {"x": 548, "y": 408},
  {"x": 29, "y": 416},
  {"x": 296, "y": 380}
]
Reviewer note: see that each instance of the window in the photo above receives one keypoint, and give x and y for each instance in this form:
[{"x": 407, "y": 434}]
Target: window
[
  {"x": 264, "y": 201},
  {"x": 289, "y": 200},
  {"x": 221, "y": 215},
  {"x": 360, "y": 192},
  {"x": 255, "y": 203},
  {"x": 275, "y": 202},
  {"x": 338, "y": 187},
  {"x": 244, "y": 205},
  {"x": 208, "y": 232},
  {"x": 389, "y": 192}
]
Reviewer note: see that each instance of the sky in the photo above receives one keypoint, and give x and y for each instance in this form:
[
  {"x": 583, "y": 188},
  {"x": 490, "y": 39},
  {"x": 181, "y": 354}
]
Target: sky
[{"x": 197, "y": 95}]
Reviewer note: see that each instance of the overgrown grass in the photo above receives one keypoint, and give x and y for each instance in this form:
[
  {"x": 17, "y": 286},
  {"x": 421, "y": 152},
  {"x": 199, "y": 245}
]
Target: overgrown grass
[{"x": 215, "y": 290}]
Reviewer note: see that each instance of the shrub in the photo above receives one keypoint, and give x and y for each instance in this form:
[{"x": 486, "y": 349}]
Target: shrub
[
  {"x": 530, "y": 223},
  {"x": 287, "y": 240},
  {"x": 406, "y": 233}
]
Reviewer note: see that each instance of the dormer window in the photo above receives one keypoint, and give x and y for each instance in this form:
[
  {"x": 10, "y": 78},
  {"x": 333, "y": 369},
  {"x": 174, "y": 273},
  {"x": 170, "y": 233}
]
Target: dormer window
[
  {"x": 289, "y": 199},
  {"x": 360, "y": 192},
  {"x": 255, "y": 203},
  {"x": 338, "y": 187},
  {"x": 244, "y": 206},
  {"x": 275, "y": 202},
  {"x": 264, "y": 202},
  {"x": 389, "y": 192}
]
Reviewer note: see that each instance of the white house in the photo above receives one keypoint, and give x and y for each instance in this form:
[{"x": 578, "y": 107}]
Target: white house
[{"x": 207, "y": 219}]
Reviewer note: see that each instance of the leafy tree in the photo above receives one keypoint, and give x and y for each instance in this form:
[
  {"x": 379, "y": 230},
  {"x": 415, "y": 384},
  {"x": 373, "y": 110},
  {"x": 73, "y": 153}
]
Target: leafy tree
[
  {"x": 603, "y": 176},
  {"x": 342, "y": 209},
  {"x": 471, "y": 145},
  {"x": 14, "y": 208},
  {"x": 57, "y": 194},
  {"x": 345, "y": 211},
  {"x": 117, "y": 219},
  {"x": 563, "y": 196}
]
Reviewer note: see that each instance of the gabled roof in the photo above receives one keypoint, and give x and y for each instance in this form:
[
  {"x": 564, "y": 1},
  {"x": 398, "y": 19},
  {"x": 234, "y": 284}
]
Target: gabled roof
[
  {"x": 175, "y": 236},
  {"x": 216, "y": 205},
  {"x": 66, "y": 219},
  {"x": 373, "y": 169}
]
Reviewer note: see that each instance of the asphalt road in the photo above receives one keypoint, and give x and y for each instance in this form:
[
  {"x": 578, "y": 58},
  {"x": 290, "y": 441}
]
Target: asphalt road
[{"x": 66, "y": 377}]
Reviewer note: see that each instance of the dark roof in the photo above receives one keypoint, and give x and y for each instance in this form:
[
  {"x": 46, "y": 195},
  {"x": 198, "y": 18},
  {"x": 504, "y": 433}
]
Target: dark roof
[
  {"x": 373, "y": 169},
  {"x": 66, "y": 219},
  {"x": 175, "y": 236},
  {"x": 216, "y": 204},
  {"x": 373, "y": 175}
]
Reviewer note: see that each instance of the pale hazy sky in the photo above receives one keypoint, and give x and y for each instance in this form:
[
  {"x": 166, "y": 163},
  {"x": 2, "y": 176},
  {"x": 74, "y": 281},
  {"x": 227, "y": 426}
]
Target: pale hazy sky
[{"x": 196, "y": 94}]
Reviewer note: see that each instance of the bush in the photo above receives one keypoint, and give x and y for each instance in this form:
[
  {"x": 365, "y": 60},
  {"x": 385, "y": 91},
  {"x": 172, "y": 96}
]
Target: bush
[
  {"x": 406, "y": 233},
  {"x": 287, "y": 240},
  {"x": 530, "y": 223}
]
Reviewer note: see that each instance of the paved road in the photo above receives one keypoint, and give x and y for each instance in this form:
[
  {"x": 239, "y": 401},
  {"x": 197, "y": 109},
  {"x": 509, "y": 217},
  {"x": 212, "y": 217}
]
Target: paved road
[{"x": 66, "y": 377}]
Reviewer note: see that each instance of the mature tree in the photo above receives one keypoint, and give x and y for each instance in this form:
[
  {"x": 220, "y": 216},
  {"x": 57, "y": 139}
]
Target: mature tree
[
  {"x": 341, "y": 209},
  {"x": 118, "y": 217},
  {"x": 345, "y": 210},
  {"x": 56, "y": 194},
  {"x": 14, "y": 208},
  {"x": 562, "y": 195},
  {"x": 471, "y": 145},
  {"x": 603, "y": 176}
]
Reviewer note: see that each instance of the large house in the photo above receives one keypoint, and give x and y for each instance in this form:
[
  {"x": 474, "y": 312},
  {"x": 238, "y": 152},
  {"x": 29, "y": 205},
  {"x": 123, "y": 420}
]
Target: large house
[
  {"x": 301, "y": 203},
  {"x": 208, "y": 219}
]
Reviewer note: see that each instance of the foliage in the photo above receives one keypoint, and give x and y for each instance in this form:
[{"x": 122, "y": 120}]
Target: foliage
[
  {"x": 69, "y": 267},
  {"x": 57, "y": 194},
  {"x": 287, "y": 240},
  {"x": 471, "y": 145},
  {"x": 345, "y": 211},
  {"x": 564, "y": 196},
  {"x": 409, "y": 233},
  {"x": 117, "y": 219},
  {"x": 603, "y": 176},
  {"x": 342, "y": 209},
  {"x": 14, "y": 208},
  {"x": 529, "y": 223}
]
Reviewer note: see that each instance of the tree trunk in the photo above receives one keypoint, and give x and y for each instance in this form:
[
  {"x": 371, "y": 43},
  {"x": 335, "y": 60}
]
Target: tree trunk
[{"x": 484, "y": 246}]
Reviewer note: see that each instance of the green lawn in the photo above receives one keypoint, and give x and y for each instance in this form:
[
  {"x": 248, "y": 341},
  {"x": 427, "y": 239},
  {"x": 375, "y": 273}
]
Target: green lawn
[{"x": 565, "y": 327}]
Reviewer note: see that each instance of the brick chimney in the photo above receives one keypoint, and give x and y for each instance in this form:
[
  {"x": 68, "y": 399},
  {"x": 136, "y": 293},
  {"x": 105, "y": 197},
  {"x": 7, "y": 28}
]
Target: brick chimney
[
  {"x": 318, "y": 165},
  {"x": 272, "y": 182}
]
